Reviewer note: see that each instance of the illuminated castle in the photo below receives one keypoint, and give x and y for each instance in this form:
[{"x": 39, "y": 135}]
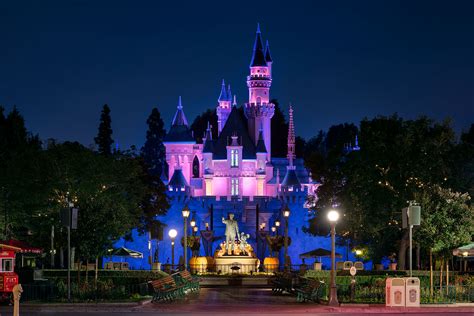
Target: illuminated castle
[{"x": 235, "y": 173}]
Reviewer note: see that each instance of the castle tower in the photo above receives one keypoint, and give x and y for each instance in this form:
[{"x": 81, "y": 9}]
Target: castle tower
[
  {"x": 259, "y": 111},
  {"x": 224, "y": 106},
  {"x": 179, "y": 144}
]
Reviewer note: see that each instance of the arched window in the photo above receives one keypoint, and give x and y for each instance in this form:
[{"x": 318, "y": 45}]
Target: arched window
[
  {"x": 259, "y": 100},
  {"x": 195, "y": 167}
]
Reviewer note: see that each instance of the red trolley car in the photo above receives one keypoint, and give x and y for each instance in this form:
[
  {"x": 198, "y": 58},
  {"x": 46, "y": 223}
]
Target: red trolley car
[{"x": 8, "y": 278}]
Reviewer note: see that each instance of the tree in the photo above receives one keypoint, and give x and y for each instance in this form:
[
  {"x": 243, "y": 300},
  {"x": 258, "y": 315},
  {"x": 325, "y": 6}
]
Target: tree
[
  {"x": 468, "y": 137},
  {"x": 397, "y": 158},
  {"x": 104, "y": 139},
  {"x": 21, "y": 184},
  {"x": 447, "y": 220},
  {"x": 108, "y": 190},
  {"x": 199, "y": 125},
  {"x": 153, "y": 151},
  {"x": 279, "y": 128}
]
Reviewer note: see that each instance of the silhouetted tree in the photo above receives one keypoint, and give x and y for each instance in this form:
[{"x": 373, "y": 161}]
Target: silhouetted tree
[
  {"x": 199, "y": 125},
  {"x": 279, "y": 132},
  {"x": 104, "y": 139},
  {"x": 153, "y": 151}
]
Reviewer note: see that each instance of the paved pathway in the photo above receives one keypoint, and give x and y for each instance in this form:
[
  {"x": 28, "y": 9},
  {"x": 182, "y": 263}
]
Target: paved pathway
[{"x": 229, "y": 301}]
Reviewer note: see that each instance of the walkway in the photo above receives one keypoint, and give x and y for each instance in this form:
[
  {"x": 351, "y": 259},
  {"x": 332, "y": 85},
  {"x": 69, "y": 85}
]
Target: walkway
[{"x": 230, "y": 301}]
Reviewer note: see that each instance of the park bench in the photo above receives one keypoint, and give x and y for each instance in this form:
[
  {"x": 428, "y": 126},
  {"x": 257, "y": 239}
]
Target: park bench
[
  {"x": 310, "y": 290},
  {"x": 166, "y": 289},
  {"x": 282, "y": 282},
  {"x": 185, "y": 279}
]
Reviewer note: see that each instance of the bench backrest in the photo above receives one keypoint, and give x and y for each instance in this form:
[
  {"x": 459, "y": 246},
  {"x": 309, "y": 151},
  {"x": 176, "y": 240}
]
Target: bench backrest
[
  {"x": 186, "y": 275},
  {"x": 163, "y": 282}
]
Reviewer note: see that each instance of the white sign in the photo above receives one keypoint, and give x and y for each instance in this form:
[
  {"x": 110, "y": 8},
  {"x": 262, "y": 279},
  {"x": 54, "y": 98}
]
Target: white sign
[{"x": 353, "y": 270}]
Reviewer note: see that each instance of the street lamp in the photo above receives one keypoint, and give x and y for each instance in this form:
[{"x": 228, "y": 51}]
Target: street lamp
[
  {"x": 172, "y": 233},
  {"x": 465, "y": 254},
  {"x": 274, "y": 230},
  {"x": 286, "y": 214},
  {"x": 195, "y": 229},
  {"x": 333, "y": 216},
  {"x": 185, "y": 213}
]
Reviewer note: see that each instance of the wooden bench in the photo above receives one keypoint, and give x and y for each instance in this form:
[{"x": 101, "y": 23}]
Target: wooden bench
[
  {"x": 185, "y": 279},
  {"x": 282, "y": 282},
  {"x": 311, "y": 290},
  {"x": 166, "y": 289}
]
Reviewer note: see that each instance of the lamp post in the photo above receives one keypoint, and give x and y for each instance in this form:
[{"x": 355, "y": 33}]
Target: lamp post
[
  {"x": 172, "y": 233},
  {"x": 277, "y": 225},
  {"x": 333, "y": 216},
  {"x": 286, "y": 214},
  {"x": 185, "y": 213}
]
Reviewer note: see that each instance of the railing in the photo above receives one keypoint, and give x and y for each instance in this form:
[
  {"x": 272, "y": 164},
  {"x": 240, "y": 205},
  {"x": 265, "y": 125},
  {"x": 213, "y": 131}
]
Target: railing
[
  {"x": 39, "y": 292},
  {"x": 83, "y": 292},
  {"x": 347, "y": 293}
]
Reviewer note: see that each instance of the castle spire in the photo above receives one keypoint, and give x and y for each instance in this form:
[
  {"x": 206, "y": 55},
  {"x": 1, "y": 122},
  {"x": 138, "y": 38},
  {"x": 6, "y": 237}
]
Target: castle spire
[
  {"x": 179, "y": 117},
  {"x": 258, "y": 57},
  {"x": 229, "y": 94},
  {"x": 235, "y": 101},
  {"x": 268, "y": 55},
  {"x": 291, "y": 137},
  {"x": 223, "y": 95}
]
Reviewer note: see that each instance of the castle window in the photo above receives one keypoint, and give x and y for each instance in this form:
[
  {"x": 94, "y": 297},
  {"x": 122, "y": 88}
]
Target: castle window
[
  {"x": 195, "y": 167},
  {"x": 234, "y": 186},
  {"x": 234, "y": 158}
]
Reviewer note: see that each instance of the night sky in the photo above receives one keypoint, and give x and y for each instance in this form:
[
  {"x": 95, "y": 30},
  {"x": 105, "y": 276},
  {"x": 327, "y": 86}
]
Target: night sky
[{"x": 336, "y": 61}]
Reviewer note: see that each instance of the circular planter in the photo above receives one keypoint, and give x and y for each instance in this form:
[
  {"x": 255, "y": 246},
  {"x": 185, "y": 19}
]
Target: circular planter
[{"x": 271, "y": 264}]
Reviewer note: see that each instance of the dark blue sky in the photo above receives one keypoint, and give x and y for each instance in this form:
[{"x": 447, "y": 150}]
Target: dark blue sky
[{"x": 336, "y": 61}]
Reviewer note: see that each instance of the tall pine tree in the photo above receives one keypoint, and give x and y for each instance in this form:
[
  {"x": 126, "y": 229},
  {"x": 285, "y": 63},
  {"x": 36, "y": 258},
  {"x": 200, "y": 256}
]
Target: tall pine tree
[
  {"x": 153, "y": 151},
  {"x": 279, "y": 132},
  {"x": 104, "y": 138}
]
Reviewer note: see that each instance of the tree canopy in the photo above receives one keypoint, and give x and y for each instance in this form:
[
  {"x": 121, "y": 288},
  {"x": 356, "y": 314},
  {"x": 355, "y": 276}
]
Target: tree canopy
[{"x": 398, "y": 159}]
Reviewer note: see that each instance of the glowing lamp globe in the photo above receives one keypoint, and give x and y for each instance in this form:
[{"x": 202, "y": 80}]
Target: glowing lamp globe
[
  {"x": 358, "y": 252},
  {"x": 277, "y": 223},
  {"x": 185, "y": 212},
  {"x": 333, "y": 215},
  {"x": 173, "y": 233}
]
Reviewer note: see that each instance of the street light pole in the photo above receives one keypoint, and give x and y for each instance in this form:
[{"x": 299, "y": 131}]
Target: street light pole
[
  {"x": 185, "y": 216},
  {"x": 333, "y": 216},
  {"x": 172, "y": 233}
]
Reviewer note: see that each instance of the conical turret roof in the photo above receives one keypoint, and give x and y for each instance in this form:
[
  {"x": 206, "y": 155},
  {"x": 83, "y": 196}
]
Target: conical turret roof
[{"x": 258, "y": 56}]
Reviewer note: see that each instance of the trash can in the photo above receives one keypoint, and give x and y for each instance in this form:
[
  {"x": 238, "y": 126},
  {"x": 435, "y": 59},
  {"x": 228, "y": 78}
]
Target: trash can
[
  {"x": 395, "y": 292},
  {"x": 412, "y": 292}
]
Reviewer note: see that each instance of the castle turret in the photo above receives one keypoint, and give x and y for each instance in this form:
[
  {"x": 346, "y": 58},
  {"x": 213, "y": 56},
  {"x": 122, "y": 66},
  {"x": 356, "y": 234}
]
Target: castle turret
[
  {"x": 224, "y": 106},
  {"x": 179, "y": 145},
  {"x": 268, "y": 58},
  {"x": 259, "y": 110}
]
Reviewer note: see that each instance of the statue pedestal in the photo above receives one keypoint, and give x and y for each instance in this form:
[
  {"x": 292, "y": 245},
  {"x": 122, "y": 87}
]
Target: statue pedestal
[{"x": 236, "y": 264}]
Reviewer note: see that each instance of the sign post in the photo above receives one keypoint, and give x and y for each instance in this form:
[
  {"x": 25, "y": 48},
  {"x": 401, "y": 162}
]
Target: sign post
[
  {"x": 411, "y": 216},
  {"x": 69, "y": 217},
  {"x": 353, "y": 272}
]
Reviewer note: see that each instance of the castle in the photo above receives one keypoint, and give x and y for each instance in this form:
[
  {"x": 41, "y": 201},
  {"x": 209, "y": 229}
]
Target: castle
[{"x": 235, "y": 173}]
